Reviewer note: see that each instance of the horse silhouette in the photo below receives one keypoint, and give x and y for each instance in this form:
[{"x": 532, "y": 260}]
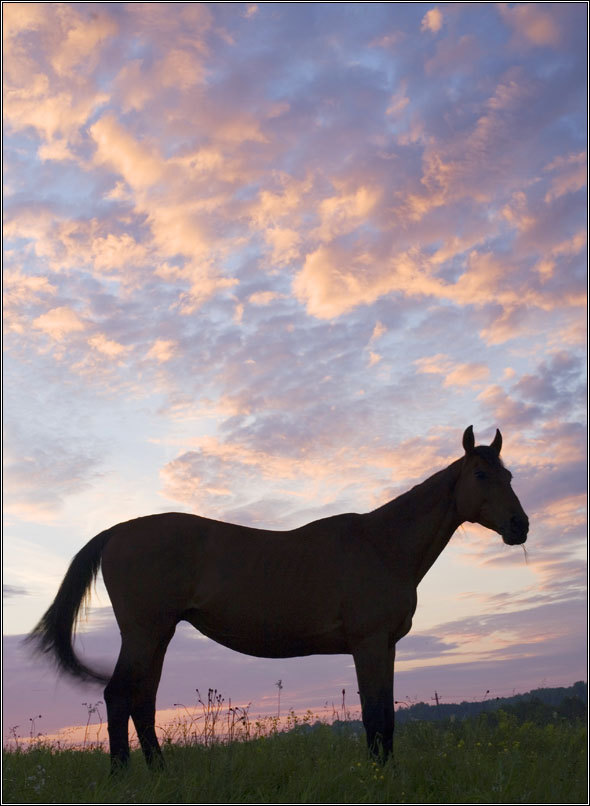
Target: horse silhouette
[{"x": 342, "y": 584}]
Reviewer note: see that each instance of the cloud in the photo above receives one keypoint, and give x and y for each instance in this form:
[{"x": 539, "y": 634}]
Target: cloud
[
  {"x": 39, "y": 92},
  {"x": 206, "y": 481},
  {"x": 454, "y": 56},
  {"x": 331, "y": 282},
  {"x": 532, "y": 24},
  {"x": 138, "y": 164},
  {"x": 23, "y": 291},
  {"x": 38, "y": 483},
  {"x": 107, "y": 346},
  {"x": 416, "y": 646},
  {"x": 113, "y": 253},
  {"x": 162, "y": 350},
  {"x": 13, "y": 590},
  {"x": 343, "y": 213},
  {"x": 432, "y": 21},
  {"x": 570, "y": 175},
  {"x": 59, "y": 322},
  {"x": 455, "y": 374},
  {"x": 553, "y": 390},
  {"x": 301, "y": 212},
  {"x": 79, "y": 49},
  {"x": 378, "y": 331},
  {"x": 334, "y": 280}
]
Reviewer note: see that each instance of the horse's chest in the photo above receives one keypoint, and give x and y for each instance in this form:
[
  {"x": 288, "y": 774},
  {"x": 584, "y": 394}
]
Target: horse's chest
[{"x": 386, "y": 608}]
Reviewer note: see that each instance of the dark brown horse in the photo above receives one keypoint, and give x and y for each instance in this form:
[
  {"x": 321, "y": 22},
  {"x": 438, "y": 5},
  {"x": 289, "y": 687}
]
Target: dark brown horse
[{"x": 344, "y": 584}]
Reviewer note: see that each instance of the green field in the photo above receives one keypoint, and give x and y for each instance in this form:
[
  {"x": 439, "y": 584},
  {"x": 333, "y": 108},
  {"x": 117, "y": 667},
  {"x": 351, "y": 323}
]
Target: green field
[{"x": 491, "y": 758}]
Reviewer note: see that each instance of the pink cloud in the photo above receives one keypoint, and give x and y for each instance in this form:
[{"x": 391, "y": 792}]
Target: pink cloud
[
  {"x": 532, "y": 24},
  {"x": 432, "y": 20},
  {"x": 454, "y": 55},
  {"x": 59, "y": 322},
  {"x": 570, "y": 175},
  {"x": 38, "y": 90},
  {"x": 139, "y": 165},
  {"x": 22, "y": 291},
  {"x": 162, "y": 350},
  {"x": 106, "y": 346},
  {"x": 455, "y": 374}
]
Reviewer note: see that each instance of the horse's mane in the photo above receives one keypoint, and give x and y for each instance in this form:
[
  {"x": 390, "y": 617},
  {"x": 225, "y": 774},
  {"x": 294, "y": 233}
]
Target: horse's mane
[{"x": 489, "y": 455}]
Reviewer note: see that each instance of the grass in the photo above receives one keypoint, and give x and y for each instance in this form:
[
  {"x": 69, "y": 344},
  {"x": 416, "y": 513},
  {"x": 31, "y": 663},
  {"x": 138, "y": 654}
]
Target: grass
[{"x": 479, "y": 760}]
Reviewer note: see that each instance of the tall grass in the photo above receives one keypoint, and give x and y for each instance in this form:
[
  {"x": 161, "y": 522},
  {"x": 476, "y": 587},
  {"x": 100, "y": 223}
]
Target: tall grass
[{"x": 479, "y": 760}]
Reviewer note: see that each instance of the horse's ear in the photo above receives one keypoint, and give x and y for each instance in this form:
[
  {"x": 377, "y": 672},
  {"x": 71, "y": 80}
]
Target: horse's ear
[
  {"x": 497, "y": 443},
  {"x": 468, "y": 440}
]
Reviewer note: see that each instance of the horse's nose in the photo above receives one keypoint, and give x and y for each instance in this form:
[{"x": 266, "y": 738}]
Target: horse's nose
[
  {"x": 519, "y": 527},
  {"x": 519, "y": 524}
]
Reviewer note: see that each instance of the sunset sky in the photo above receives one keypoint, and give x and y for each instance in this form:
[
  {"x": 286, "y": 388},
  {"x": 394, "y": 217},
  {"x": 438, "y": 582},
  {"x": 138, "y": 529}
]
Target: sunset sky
[{"x": 265, "y": 263}]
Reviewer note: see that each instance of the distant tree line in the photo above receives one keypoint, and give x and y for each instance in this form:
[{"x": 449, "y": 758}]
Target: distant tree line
[{"x": 540, "y": 705}]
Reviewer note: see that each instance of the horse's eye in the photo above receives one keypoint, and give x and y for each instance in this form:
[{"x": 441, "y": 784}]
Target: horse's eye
[{"x": 479, "y": 474}]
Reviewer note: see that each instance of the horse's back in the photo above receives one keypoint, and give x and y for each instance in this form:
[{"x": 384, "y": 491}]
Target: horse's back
[{"x": 163, "y": 567}]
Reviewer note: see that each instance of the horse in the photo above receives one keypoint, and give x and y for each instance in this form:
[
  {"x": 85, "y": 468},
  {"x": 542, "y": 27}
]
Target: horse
[{"x": 344, "y": 584}]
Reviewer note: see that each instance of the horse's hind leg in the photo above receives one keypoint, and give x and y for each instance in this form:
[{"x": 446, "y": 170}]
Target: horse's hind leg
[
  {"x": 132, "y": 692},
  {"x": 116, "y": 697},
  {"x": 143, "y": 704}
]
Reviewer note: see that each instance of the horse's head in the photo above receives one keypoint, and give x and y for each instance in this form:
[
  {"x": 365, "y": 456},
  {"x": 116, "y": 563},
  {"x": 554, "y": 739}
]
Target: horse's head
[{"x": 484, "y": 494}]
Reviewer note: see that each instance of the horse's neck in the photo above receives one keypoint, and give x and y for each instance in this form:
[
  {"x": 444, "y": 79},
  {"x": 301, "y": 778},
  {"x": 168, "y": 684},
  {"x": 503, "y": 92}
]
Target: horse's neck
[{"x": 415, "y": 527}]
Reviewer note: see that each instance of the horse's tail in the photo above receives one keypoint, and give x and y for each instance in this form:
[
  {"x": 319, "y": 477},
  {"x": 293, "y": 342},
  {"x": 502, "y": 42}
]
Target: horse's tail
[{"x": 54, "y": 633}]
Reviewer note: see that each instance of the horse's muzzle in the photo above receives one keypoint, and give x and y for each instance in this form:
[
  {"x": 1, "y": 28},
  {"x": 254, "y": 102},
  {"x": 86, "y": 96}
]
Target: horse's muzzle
[{"x": 517, "y": 530}]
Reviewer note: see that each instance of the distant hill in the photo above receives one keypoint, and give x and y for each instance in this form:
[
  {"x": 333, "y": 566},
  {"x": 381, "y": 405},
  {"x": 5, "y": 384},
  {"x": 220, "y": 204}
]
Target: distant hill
[
  {"x": 570, "y": 702},
  {"x": 541, "y": 705}
]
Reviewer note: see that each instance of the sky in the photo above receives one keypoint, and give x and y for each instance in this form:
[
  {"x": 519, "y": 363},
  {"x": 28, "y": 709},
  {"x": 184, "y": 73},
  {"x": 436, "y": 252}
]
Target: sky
[{"x": 265, "y": 263}]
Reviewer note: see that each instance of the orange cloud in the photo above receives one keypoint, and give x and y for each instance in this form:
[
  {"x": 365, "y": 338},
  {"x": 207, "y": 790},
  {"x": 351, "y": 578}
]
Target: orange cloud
[
  {"x": 264, "y": 297},
  {"x": 335, "y": 280},
  {"x": 468, "y": 374},
  {"x": 81, "y": 40},
  {"x": 20, "y": 291},
  {"x": 106, "y": 346},
  {"x": 139, "y": 165},
  {"x": 39, "y": 88},
  {"x": 55, "y": 116},
  {"x": 432, "y": 21},
  {"x": 331, "y": 283},
  {"x": 343, "y": 213},
  {"x": 531, "y": 23},
  {"x": 285, "y": 243},
  {"x": 571, "y": 175},
  {"x": 115, "y": 252},
  {"x": 162, "y": 350},
  {"x": 59, "y": 322}
]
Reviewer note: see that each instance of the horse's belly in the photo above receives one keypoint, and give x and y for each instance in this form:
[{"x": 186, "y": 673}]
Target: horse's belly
[{"x": 269, "y": 638}]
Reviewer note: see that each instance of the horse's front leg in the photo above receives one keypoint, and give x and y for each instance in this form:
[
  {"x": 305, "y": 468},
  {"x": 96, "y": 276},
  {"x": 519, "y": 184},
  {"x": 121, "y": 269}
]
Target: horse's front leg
[{"x": 374, "y": 660}]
